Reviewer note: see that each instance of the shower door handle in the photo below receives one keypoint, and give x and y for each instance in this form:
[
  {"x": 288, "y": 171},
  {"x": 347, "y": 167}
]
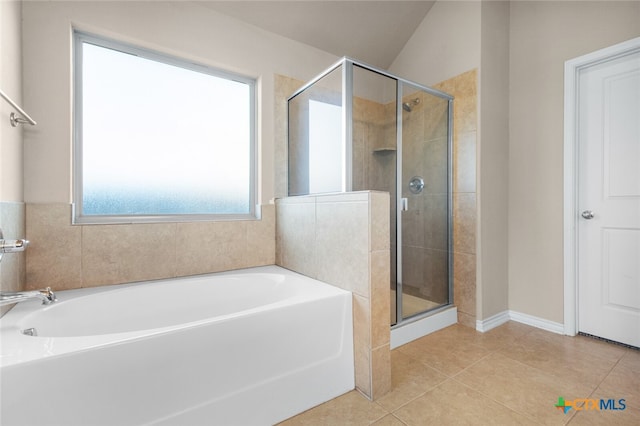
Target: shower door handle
[{"x": 404, "y": 204}]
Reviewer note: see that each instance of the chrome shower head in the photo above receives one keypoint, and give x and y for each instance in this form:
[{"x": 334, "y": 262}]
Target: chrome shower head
[{"x": 408, "y": 106}]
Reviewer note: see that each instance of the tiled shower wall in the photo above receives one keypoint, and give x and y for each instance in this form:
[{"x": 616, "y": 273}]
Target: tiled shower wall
[
  {"x": 425, "y": 223},
  {"x": 343, "y": 239},
  {"x": 465, "y": 123},
  {"x": 374, "y": 157},
  {"x": 65, "y": 256}
]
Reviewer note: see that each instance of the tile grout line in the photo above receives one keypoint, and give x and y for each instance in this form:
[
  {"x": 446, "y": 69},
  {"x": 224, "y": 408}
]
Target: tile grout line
[
  {"x": 418, "y": 396},
  {"x": 491, "y": 352},
  {"x": 398, "y": 418},
  {"x": 607, "y": 375},
  {"x": 571, "y": 417},
  {"x": 525, "y": 415},
  {"x": 386, "y": 413}
]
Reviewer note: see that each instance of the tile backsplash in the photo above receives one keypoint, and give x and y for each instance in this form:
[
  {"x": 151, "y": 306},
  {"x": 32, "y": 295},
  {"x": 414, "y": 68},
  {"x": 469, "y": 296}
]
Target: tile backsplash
[{"x": 65, "y": 256}]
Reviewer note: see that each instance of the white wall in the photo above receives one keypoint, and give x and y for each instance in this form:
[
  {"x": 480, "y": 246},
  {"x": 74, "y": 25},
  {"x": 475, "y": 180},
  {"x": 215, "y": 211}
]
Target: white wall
[
  {"x": 185, "y": 29},
  {"x": 543, "y": 35},
  {"x": 445, "y": 44},
  {"x": 493, "y": 161},
  {"x": 11, "y": 84}
]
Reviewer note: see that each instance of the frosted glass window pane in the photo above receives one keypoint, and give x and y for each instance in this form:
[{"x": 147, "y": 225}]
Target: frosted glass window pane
[
  {"x": 159, "y": 139},
  {"x": 325, "y": 147}
]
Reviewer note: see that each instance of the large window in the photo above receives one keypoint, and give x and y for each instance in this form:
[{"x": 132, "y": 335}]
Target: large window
[{"x": 159, "y": 138}]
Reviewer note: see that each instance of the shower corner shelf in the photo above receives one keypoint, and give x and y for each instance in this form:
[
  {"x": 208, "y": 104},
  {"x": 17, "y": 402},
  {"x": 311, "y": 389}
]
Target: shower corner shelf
[{"x": 385, "y": 149}]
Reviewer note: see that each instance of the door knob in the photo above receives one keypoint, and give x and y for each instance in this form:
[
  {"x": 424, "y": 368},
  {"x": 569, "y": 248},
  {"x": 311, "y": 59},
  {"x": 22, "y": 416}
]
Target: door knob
[{"x": 587, "y": 214}]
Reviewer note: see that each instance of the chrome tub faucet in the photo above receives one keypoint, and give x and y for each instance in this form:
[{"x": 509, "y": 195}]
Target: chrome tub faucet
[
  {"x": 47, "y": 296},
  {"x": 11, "y": 246},
  {"x": 6, "y": 297}
]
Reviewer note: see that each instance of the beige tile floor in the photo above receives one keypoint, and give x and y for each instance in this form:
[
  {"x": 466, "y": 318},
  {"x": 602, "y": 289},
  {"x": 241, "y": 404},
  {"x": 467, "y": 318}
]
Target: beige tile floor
[{"x": 511, "y": 375}]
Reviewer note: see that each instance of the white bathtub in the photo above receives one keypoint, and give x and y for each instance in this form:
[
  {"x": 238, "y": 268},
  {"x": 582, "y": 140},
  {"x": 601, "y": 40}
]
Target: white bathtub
[{"x": 240, "y": 348}]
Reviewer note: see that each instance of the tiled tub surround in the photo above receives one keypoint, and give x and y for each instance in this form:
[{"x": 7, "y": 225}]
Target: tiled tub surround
[
  {"x": 12, "y": 267},
  {"x": 65, "y": 256},
  {"x": 343, "y": 240}
]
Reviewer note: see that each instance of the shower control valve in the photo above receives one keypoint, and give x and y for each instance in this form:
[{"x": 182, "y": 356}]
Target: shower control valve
[{"x": 416, "y": 184}]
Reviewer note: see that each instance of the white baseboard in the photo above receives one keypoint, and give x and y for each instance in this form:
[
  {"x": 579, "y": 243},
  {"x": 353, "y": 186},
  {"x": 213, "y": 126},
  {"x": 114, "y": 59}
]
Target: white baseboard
[
  {"x": 504, "y": 316},
  {"x": 492, "y": 322},
  {"x": 424, "y": 326},
  {"x": 554, "y": 327}
]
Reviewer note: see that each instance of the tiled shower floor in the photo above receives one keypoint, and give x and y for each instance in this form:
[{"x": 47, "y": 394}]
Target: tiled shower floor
[
  {"x": 512, "y": 375},
  {"x": 410, "y": 305}
]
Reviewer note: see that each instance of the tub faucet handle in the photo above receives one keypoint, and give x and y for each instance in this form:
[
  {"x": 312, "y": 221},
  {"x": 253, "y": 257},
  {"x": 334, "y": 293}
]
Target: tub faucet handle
[
  {"x": 12, "y": 246},
  {"x": 49, "y": 296}
]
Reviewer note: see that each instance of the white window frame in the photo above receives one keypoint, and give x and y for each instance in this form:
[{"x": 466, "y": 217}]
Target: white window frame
[{"x": 78, "y": 216}]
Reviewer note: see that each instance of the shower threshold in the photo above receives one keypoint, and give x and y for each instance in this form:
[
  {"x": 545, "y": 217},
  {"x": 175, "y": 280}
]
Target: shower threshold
[{"x": 419, "y": 326}]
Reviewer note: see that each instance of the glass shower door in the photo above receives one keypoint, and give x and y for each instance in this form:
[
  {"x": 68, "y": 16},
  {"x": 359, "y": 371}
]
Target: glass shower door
[{"x": 423, "y": 185}]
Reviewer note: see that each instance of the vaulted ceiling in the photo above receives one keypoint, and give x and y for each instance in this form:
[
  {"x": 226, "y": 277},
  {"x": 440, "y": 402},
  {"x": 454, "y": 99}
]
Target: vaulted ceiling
[{"x": 370, "y": 31}]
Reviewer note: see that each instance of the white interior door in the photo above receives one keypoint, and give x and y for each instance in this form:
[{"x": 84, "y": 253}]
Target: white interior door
[{"x": 608, "y": 140}]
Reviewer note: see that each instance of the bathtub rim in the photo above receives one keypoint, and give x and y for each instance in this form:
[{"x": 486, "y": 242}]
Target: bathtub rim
[{"x": 17, "y": 348}]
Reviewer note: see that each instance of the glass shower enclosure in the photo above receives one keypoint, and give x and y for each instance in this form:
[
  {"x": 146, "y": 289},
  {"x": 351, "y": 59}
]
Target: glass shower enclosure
[{"x": 356, "y": 127}]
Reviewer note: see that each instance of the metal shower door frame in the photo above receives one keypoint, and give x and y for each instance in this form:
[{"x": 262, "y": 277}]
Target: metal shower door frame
[
  {"x": 400, "y": 320},
  {"x": 347, "y": 64}
]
